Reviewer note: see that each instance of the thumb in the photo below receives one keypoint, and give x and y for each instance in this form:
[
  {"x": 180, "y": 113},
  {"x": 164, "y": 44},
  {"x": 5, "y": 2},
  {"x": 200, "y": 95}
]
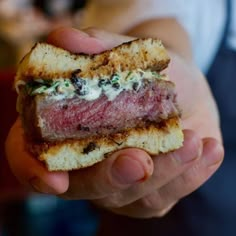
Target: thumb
[
  {"x": 30, "y": 171},
  {"x": 118, "y": 172}
]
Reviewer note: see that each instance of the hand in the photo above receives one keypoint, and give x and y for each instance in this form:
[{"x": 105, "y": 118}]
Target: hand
[{"x": 130, "y": 182}]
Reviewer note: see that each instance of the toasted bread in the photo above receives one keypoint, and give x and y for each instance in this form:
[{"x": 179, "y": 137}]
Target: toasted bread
[
  {"x": 75, "y": 154},
  {"x": 49, "y": 62}
]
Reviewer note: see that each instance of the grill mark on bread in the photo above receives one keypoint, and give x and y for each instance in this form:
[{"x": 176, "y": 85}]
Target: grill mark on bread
[{"x": 89, "y": 148}]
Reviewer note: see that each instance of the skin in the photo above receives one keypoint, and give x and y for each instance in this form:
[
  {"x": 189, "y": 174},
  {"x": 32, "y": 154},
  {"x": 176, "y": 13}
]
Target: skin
[
  {"x": 169, "y": 31},
  {"x": 130, "y": 182}
]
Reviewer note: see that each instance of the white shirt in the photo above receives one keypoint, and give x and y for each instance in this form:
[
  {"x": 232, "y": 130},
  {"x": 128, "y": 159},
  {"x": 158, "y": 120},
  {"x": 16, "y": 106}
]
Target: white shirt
[
  {"x": 204, "y": 20},
  {"x": 232, "y": 36}
]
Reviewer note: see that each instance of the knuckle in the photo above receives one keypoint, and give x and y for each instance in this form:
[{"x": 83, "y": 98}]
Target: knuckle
[
  {"x": 92, "y": 31},
  {"x": 152, "y": 202},
  {"x": 112, "y": 201},
  {"x": 155, "y": 205},
  {"x": 148, "y": 203},
  {"x": 192, "y": 178},
  {"x": 162, "y": 212}
]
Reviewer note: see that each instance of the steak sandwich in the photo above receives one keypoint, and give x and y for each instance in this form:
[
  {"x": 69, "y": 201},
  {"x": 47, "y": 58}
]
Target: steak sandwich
[{"x": 77, "y": 108}]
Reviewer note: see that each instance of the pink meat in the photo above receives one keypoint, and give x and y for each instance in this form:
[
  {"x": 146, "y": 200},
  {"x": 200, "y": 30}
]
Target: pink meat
[{"x": 78, "y": 118}]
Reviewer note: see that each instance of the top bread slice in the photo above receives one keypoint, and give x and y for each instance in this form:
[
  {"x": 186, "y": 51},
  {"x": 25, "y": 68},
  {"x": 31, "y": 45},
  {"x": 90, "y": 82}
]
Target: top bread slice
[{"x": 46, "y": 61}]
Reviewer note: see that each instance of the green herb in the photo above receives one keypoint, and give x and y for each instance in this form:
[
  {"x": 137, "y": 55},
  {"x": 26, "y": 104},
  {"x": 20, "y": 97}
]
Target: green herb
[
  {"x": 154, "y": 73},
  {"x": 127, "y": 76},
  {"x": 38, "y": 90},
  {"x": 115, "y": 78},
  {"x": 55, "y": 84}
]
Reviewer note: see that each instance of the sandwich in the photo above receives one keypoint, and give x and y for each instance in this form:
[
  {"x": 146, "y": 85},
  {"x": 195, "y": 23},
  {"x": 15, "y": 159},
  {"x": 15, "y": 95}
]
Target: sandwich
[{"x": 76, "y": 109}]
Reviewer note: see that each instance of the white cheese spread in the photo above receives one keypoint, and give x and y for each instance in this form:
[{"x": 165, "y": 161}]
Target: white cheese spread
[{"x": 91, "y": 89}]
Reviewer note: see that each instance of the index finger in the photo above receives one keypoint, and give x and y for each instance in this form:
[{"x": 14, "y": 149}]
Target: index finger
[{"x": 88, "y": 41}]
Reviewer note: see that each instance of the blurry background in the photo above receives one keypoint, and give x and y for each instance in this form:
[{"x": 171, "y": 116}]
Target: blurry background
[{"x": 22, "y": 23}]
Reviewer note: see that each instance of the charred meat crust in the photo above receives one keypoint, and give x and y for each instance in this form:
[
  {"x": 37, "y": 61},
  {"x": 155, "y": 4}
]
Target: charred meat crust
[
  {"x": 95, "y": 142},
  {"x": 28, "y": 114}
]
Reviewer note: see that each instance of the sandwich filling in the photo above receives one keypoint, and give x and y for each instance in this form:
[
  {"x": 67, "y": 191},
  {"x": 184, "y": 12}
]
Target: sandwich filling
[
  {"x": 64, "y": 96},
  {"x": 82, "y": 108},
  {"x": 89, "y": 89}
]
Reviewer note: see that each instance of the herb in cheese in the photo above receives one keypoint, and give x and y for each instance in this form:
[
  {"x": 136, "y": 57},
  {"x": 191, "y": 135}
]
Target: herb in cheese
[{"x": 91, "y": 89}]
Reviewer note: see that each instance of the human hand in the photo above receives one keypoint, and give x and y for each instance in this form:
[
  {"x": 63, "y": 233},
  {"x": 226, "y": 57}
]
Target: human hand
[{"x": 130, "y": 182}]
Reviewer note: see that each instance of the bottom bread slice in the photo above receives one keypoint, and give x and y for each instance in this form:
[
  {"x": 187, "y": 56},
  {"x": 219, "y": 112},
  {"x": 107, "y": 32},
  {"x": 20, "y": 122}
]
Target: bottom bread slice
[{"x": 163, "y": 137}]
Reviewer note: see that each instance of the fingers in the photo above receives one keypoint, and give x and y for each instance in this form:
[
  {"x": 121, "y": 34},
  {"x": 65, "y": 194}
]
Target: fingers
[
  {"x": 166, "y": 168},
  {"x": 126, "y": 170},
  {"x": 89, "y": 41},
  {"x": 147, "y": 207},
  {"x": 118, "y": 172},
  {"x": 195, "y": 176},
  {"x": 30, "y": 171},
  {"x": 160, "y": 201},
  {"x": 75, "y": 41},
  {"x": 109, "y": 39}
]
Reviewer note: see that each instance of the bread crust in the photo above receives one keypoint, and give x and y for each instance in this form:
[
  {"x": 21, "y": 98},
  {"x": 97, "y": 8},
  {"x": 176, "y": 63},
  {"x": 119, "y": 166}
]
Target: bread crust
[{"x": 46, "y": 61}]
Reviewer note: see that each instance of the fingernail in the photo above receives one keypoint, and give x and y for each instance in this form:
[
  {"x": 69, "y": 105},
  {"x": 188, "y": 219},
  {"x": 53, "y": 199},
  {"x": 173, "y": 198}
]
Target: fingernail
[
  {"x": 82, "y": 32},
  {"x": 214, "y": 153},
  {"x": 76, "y": 31},
  {"x": 40, "y": 186},
  {"x": 126, "y": 170}
]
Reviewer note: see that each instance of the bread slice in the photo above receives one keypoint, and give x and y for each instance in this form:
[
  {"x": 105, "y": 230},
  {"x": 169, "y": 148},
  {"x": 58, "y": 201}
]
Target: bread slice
[
  {"x": 75, "y": 154},
  {"x": 46, "y": 61}
]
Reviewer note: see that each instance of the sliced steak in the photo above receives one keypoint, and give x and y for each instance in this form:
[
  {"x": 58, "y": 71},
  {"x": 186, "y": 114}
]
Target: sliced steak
[{"x": 49, "y": 120}]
